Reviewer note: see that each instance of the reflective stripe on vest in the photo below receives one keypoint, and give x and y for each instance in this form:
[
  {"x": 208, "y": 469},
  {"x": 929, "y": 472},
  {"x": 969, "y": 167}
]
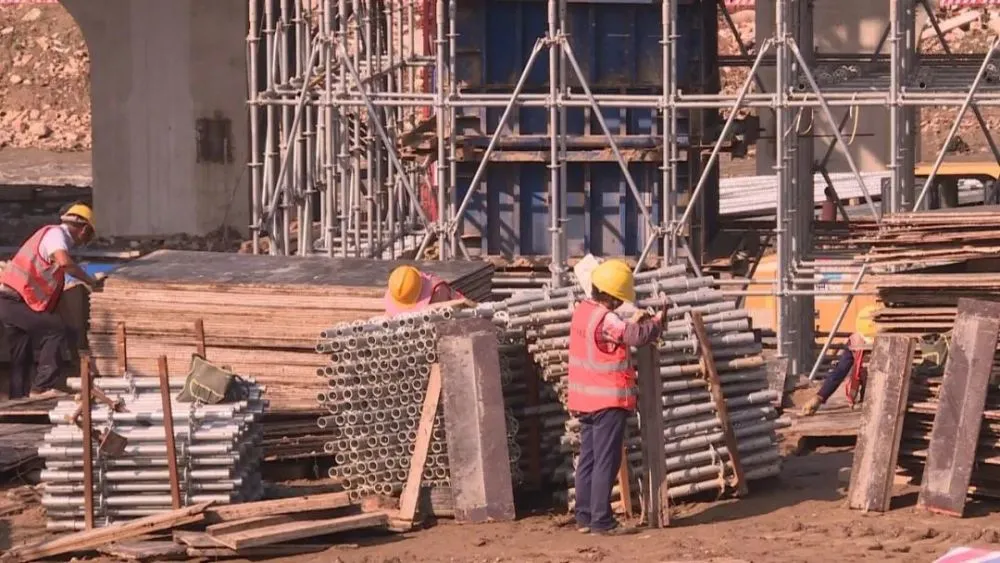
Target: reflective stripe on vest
[
  {"x": 428, "y": 285},
  {"x": 38, "y": 281},
  {"x": 597, "y": 379}
]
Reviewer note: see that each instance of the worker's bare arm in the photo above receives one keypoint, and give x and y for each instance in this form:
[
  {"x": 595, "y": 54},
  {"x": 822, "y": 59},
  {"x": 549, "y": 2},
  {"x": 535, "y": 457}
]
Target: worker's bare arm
[{"x": 69, "y": 266}]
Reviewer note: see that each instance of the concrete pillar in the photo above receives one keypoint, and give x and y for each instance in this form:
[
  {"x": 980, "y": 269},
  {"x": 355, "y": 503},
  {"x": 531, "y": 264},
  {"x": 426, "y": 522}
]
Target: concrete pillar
[{"x": 169, "y": 89}]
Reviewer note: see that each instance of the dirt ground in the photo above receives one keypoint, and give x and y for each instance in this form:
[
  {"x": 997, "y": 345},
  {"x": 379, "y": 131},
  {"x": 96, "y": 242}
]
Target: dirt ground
[{"x": 799, "y": 516}]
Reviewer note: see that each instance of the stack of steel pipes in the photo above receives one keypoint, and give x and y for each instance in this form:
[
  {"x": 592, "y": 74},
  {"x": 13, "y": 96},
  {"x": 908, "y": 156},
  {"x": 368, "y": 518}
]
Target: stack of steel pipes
[
  {"x": 218, "y": 453},
  {"x": 697, "y": 460},
  {"x": 377, "y": 380}
]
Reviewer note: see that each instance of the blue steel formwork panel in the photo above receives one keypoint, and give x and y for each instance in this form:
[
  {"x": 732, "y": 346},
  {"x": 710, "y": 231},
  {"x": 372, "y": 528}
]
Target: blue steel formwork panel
[
  {"x": 618, "y": 47},
  {"x": 509, "y": 212},
  {"x": 617, "y": 44}
]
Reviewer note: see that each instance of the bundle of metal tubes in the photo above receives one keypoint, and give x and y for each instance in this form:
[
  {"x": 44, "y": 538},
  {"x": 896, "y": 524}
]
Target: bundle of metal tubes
[
  {"x": 377, "y": 376},
  {"x": 697, "y": 459},
  {"x": 218, "y": 454}
]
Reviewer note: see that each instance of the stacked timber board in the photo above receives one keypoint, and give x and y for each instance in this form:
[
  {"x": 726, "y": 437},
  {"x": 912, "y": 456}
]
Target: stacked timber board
[
  {"x": 923, "y": 264},
  {"x": 260, "y": 315}
]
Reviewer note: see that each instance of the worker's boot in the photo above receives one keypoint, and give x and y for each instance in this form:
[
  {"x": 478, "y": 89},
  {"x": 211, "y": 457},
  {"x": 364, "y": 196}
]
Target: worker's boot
[{"x": 811, "y": 407}]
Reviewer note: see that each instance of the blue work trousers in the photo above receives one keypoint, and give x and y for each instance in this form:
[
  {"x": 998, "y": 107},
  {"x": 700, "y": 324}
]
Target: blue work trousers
[{"x": 602, "y": 434}]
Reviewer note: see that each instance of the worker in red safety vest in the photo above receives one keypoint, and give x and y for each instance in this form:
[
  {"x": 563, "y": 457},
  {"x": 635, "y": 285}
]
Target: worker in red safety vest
[
  {"x": 850, "y": 364},
  {"x": 411, "y": 290},
  {"x": 602, "y": 390},
  {"x": 30, "y": 287}
]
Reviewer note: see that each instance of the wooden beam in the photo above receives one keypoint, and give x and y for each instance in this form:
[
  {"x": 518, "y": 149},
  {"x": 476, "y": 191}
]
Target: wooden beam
[
  {"x": 168, "y": 430},
  {"x": 325, "y": 501},
  {"x": 302, "y": 529},
  {"x": 654, "y": 457},
  {"x": 90, "y": 540},
  {"x": 121, "y": 348},
  {"x": 411, "y": 491},
  {"x": 88, "y": 443},
  {"x": 199, "y": 337},
  {"x": 475, "y": 424},
  {"x": 707, "y": 361},
  {"x": 247, "y": 524},
  {"x": 952, "y": 449},
  {"x": 884, "y": 409},
  {"x": 625, "y": 484}
]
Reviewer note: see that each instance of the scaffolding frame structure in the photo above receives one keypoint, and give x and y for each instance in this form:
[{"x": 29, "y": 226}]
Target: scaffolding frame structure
[{"x": 341, "y": 91}]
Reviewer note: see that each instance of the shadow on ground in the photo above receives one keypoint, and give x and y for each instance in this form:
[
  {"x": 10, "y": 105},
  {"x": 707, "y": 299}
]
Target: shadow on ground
[{"x": 803, "y": 478}]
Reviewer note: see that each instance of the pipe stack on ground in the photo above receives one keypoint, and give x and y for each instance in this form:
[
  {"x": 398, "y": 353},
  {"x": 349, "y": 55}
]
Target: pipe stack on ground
[
  {"x": 697, "y": 459},
  {"x": 377, "y": 380},
  {"x": 218, "y": 454}
]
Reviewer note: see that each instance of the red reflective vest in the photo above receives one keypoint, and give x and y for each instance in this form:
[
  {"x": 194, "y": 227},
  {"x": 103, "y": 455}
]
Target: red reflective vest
[
  {"x": 428, "y": 285},
  {"x": 38, "y": 281},
  {"x": 598, "y": 380},
  {"x": 857, "y": 378}
]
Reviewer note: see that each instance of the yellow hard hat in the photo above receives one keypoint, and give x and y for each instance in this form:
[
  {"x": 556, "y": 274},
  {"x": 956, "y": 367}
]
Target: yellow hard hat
[
  {"x": 79, "y": 211},
  {"x": 614, "y": 277},
  {"x": 864, "y": 324},
  {"x": 405, "y": 284}
]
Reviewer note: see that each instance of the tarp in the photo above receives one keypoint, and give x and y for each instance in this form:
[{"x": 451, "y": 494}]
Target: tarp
[{"x": 969, "y": 555}]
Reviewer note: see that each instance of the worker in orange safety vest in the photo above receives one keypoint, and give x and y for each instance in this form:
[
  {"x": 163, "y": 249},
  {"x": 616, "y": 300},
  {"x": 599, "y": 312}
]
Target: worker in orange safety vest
[
  {"x": 602, "y": 390},
  {"x": 30, "y": 287},
  {"x": 411, "y": 290},
  {"x": 850, "y": 365}
]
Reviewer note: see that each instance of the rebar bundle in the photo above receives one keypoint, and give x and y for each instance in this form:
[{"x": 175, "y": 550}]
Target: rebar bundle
[
  {"x": 218, "y": 453},
  {"x": 378, "y": 376},
  {"x": 697, "y": 460}
]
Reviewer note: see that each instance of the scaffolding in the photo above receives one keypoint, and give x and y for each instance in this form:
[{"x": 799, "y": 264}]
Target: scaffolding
[{"x": 354, "y": 128}]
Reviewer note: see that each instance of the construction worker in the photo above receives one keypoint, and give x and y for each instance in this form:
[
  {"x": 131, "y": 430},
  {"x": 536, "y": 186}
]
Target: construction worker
[
  {"x": 30, "y": 287},
  {"x": 411, "y": 290},
  {"x": 602, "y": 390},
  {"x": 850, "y": 362}
]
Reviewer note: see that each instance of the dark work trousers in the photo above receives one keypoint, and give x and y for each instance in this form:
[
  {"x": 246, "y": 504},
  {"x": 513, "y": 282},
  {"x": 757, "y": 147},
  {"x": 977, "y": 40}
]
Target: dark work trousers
[
  {"x": 28, "y": 331},
  {"x": 837, "y": 375},
  {"x": 602, "y": 435}
]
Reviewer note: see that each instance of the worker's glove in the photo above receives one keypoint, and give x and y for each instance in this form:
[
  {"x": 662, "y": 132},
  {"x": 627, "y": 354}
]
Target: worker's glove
[{"x": 639, "y": 316}]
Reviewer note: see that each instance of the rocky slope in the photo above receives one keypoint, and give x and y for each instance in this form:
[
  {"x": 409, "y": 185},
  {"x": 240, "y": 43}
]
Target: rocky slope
[{"x": 44, "y": 79}]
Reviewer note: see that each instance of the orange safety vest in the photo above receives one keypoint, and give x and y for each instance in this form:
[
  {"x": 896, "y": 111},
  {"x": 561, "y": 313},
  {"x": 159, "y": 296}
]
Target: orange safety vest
[
  {"x": 38, "y": 281},
  {"x": 598, "y": 380},
  {"x": 428, "y": 285}
]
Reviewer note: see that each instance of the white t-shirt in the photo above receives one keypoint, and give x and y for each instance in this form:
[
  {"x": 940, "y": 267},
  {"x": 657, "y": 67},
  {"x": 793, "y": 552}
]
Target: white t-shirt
[{"x": 55, "y": 239}]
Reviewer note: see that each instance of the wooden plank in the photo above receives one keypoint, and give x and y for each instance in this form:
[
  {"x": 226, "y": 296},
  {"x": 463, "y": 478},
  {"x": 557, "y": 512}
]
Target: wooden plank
[
  {"x": 262, "y": 552},
  {"x": 194, "y": 539},
  {"x": 625, "y": 483},
  {"x": 90, "y": 540},
  {"x": 953, "y": 441},
  {"x": 121, "y": 341},
  {"x": 157, "y": 550},
  {"x": 475, "y": 424},
  {"x": 655, "y": 500},
  {"x": 411, "y": 490},
  {"x": 884, "y": 409},
  {"x": 298, "y": 530},
  {"x": 168, "y": 431},
  {"x": 721, "y": 409},
  {"x": 88, "y": 447},
  {"x": 199, "y": 337},
  {"x": 247, "y": 524},
  {"x": 295, "y": 505}
]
